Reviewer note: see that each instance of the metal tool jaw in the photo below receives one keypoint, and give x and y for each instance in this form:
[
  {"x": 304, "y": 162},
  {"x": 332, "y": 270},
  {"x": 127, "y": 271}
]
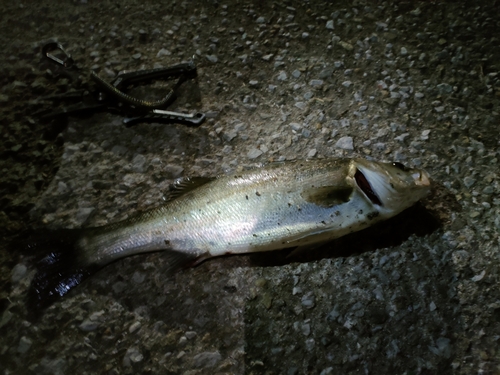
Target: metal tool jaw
[{"x": 111, "y": 96}]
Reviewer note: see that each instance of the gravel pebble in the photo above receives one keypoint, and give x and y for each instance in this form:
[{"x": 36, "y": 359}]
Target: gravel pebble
[
  {"x": 345, "y": 143},
  {"x": 18, "y": 273},
  {"x": 207, "y": 359},
  {"x": 254, "y": 153}
]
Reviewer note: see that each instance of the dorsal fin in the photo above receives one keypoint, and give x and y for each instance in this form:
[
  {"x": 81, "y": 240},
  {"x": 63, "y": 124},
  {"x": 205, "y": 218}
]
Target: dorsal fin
[
  {"x": 327, "y": 196},
  {"x": 185, "y": 184}
]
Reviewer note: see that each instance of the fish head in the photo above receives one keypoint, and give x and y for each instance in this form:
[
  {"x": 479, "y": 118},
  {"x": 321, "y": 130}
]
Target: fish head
[{"x": 391, "y": 187}]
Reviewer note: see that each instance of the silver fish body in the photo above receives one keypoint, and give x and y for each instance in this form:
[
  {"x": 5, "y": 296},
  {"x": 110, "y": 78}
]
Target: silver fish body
[
  {"x": 279, "y": 206},
  {"x": 282, "y": 205}
]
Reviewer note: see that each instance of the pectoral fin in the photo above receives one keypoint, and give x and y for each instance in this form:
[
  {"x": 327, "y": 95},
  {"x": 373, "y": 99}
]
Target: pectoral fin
[
  {"x": 327, "y": 196},
  {"x": 185, "y": 184}
]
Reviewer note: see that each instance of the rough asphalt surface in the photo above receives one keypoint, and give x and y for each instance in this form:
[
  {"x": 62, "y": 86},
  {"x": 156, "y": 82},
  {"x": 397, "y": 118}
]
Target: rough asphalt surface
[{"x": 410, "y": 81}]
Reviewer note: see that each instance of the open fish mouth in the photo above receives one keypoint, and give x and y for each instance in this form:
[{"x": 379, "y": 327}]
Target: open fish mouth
[{"x": 365, "y": 186}]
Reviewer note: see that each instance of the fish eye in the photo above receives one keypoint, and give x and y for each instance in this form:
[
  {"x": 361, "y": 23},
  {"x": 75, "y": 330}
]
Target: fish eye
[{"x": 401, "y": 166}]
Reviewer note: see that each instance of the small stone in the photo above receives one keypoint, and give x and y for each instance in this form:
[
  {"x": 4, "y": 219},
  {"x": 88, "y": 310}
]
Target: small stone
[
  {"x": 190, "y": 335},
  {"x": 312, "y": 153},
  {"x": 403, "y": 51},
  {"x": 6, "y": 317},
  {"x": 24, "y": 345},
  {"x": 308, "y": 95},
  {"x": 163, "y": 52},
  {"x": 488, "y": 190},
  {"x": 173, "y": 171},
  {"x": 229, "y": 136},
  {"x": 16, "y": 148},
  {"x": 326, "y": 73},
  {"x": 207, "y": 359},
  {"x": 138, "y": 163},
  {"x": 432, "y": 306},
  {"x": 62, "y": 188},
  {"x": 425, "y": 134},
  {"x": 345, "y": 143},
  {"x": 295, "y": 126},
  {"x": 479, "y": 277},
  {"x": 329, "y": 25},
  {"x": 444, "y": 88},
  {"x": 306, "y": 329},
  {"x": 18, "y": 273},
  {"x": 254, "y": 153},
  {"x": 212, "y": 58},
  {"x": 346, "y": 46},
  {"x": 305, "y": 35},
  {"x": 261, "y": 20},
  {"x": 316, "y": 82},
  {"x": 88, "y": 325},
  {"x": 442, "y": 347},
  {"x": 469, "y": 181},
  {"x": 308, "y": 300},
  {"x": 212, "y": 114},
  {"x": 310, "y": 343},
  {"x": 133, "y": 355},
  {"x": 253, "y": 83},
  {"x": 138, "y": 277},
  {"x": 134, "y": 327},
  {"x": 282, "y": 76},
  {"x": 416, "y": 12},
  {"x": 301, "y": 105},
  {"x": 267, "y": 300},
  {"x": 119, "y": 287},
  {"x": 346, "y": 83},
  {"x": 296, "y": 73}
]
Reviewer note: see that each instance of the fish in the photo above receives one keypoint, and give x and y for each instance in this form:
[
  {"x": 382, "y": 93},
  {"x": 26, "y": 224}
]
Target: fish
[{"x": 292, "y": 204}]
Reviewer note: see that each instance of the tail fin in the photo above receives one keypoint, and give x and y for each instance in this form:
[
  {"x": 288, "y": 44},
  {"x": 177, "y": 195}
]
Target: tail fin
[{"x": 59, "y": 268}]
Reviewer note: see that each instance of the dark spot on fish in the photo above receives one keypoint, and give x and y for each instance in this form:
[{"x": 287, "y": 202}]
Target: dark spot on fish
[
  {"x": 360, "y": 212},
  {"x": 323, "y": 222},
  {"x": 372, "y": 215},
  {"x": 254, "y": 235},
  {"x": 337, "y": 213},
  {"x": 257, "y": 193},
  {"x": 246, "y": 196},
  {"x": 289, "y": 204},
  {"x": 167, "y": 242}
]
